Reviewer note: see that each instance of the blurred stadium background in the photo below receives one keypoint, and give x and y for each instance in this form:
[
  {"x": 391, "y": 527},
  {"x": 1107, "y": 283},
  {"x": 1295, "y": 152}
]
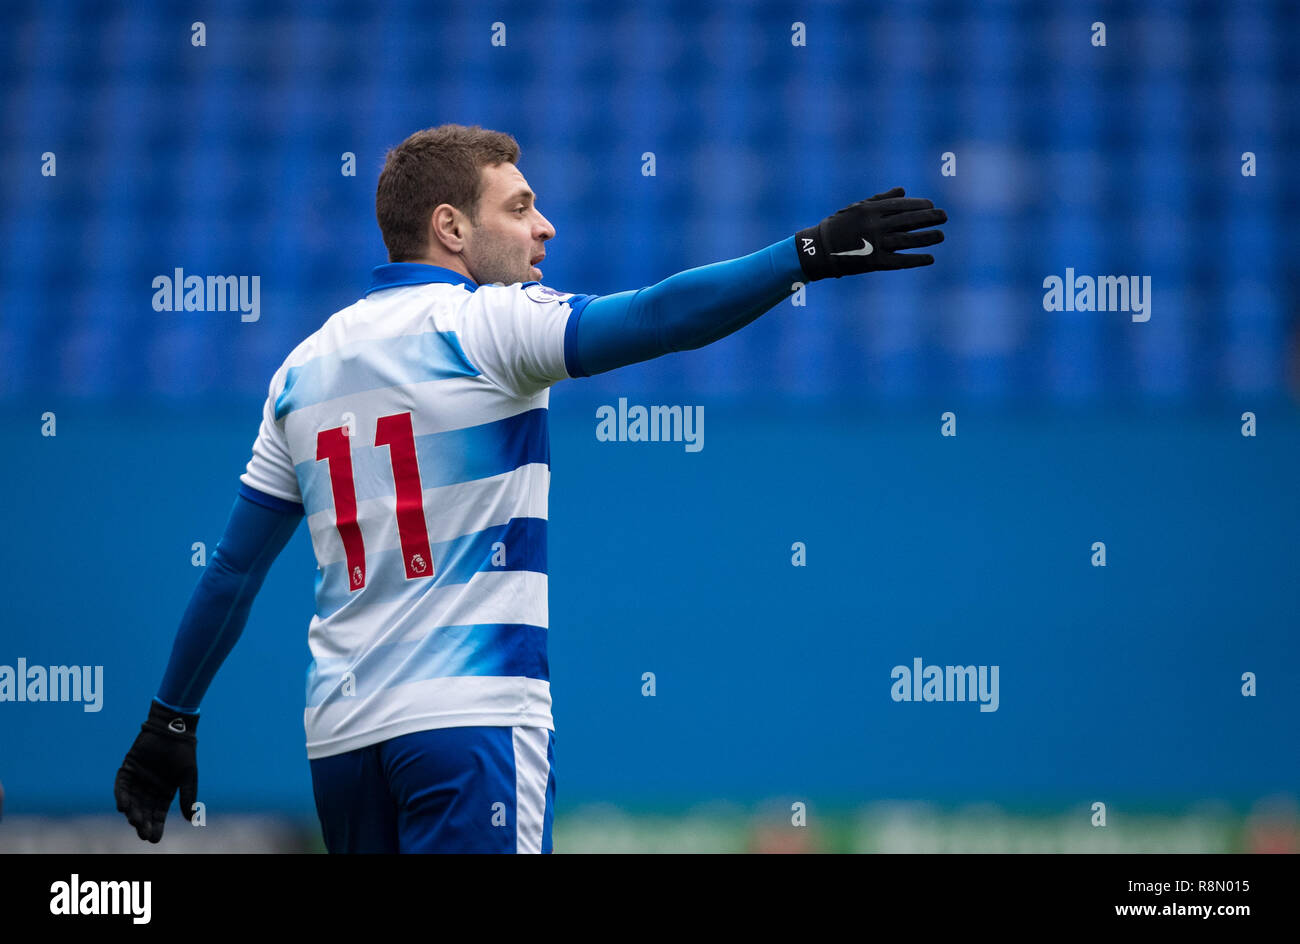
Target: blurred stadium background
[{"x": 1123, "y": 683}]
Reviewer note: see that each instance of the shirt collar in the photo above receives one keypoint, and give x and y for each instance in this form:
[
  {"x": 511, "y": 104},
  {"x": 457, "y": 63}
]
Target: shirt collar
[{"x": 394, "y": 274}]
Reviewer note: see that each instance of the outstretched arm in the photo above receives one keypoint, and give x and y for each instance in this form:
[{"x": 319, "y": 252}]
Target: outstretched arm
[{"x": 700, "y": 306}]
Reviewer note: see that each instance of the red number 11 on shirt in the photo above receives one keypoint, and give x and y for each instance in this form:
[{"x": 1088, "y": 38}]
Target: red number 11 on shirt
[{"x": 396, "y": 433}]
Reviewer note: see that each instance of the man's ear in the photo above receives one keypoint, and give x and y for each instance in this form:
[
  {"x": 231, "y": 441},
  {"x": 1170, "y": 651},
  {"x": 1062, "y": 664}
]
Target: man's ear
[{"x": 447, "y": 225}]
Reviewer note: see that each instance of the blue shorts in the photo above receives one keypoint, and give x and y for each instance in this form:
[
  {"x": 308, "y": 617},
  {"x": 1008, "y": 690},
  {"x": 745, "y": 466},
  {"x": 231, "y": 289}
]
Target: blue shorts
[{"x": 475, "y": 789}]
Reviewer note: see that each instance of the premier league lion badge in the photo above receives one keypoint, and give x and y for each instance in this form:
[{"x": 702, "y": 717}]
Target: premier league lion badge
[{"x": 540, "y": 293}]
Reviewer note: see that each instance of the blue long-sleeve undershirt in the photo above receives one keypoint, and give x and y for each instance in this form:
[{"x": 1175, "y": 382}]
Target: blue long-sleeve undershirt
[
  {"x": 259, "y": 527},
  {"x": 683, "y": 312}
]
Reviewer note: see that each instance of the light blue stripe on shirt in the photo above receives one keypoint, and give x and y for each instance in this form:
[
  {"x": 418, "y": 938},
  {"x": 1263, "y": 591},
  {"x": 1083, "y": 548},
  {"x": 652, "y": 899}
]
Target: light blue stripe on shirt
[
  {"x": 373, "y": 365},
  {"x": 455, "y": 561},
  {"x": 485, "y": 649}
]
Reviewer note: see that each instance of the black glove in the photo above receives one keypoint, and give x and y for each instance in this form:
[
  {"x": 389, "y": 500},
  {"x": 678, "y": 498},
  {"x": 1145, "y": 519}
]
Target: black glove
[
  {"x": 865, "y": 237},
  {"x": 161, "y": 759}
]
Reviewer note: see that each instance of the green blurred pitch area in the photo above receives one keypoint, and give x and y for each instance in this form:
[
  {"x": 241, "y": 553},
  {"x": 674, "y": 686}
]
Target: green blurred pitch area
[{"x": 1271, "y": 826}]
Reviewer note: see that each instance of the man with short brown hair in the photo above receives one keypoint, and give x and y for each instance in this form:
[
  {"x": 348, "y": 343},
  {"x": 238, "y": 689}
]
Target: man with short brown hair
[{"x": 411, "y": 432}]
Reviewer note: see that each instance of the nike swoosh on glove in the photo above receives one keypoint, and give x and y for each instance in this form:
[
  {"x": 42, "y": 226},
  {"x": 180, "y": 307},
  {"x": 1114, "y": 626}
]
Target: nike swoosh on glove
[{"x": 866, "y": 237}]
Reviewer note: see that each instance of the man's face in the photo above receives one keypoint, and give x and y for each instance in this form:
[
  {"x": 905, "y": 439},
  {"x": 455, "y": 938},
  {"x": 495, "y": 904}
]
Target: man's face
[{"x": 506, "y": 244}]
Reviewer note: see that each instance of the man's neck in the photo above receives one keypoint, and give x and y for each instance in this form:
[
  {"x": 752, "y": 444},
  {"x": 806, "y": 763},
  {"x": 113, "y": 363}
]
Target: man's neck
[{"x": 453, "y": 263}]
